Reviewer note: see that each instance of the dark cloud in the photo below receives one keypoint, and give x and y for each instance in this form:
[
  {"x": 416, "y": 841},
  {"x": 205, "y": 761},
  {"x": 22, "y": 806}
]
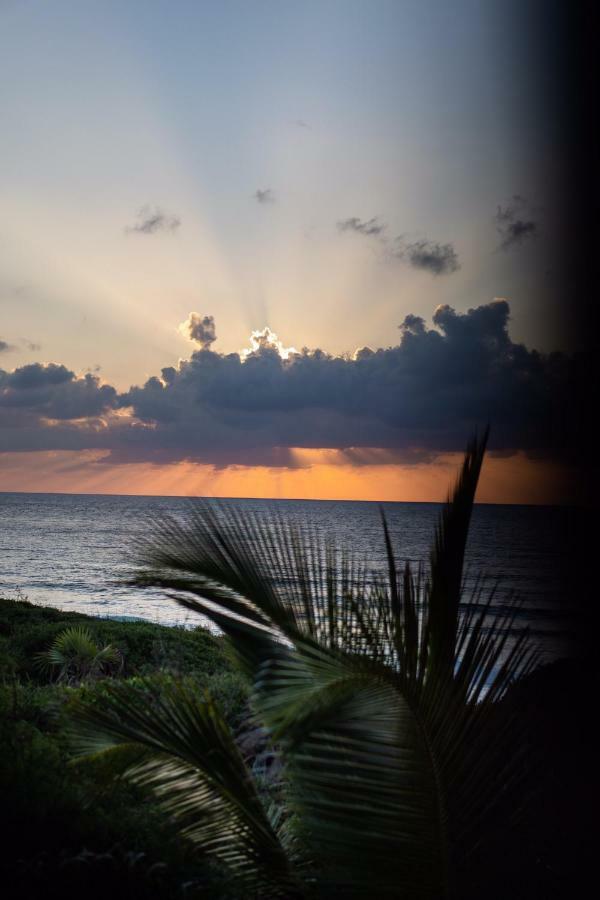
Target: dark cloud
[
  {"x": 439, "y": 259},
  {"x": 516, "y": 231},
  {"x": 412, "y": 325},
  {"x": 264, "y": 196},
  {"x": 36, "y": 375},
  {"x": 427, "y": 392},
  {"x": 5, "y": 347},
  {"x": 41, "y": 407},
  {"x": 513, "y": 223},
  {"x": 370, "y": 228},
  {"x": 150, "y": 220},
  {"x": 200, "y": 329},
  {"x": 410, "y": 401}
]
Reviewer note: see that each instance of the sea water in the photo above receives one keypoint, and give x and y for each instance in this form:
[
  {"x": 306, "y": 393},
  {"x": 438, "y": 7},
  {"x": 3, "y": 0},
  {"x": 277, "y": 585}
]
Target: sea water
[{"x": 73, "y": 551}]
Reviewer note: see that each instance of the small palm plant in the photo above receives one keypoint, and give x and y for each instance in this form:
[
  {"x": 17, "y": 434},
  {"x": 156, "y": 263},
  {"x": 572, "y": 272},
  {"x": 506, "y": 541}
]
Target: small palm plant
[
  {"x": 75, "y": 656},
  {"x": 383, "y": 694}
]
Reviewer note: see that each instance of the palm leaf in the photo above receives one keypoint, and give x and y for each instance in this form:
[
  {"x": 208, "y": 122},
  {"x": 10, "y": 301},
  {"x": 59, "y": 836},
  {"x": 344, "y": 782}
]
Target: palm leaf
[
  {"x": 362, "y": 779},
  {"x": 194, "y": 767},
  {"x": 75, "y": 654},
  {"x": 447, "y": 561}
]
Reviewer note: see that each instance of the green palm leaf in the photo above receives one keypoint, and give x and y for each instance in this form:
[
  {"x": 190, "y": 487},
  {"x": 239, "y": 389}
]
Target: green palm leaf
[
  {"x": 75, "y": 655},
  {"x": 362, "y": 780},
  {"x": 194, "y": 767},
  {"x": 447, "y": 561}
]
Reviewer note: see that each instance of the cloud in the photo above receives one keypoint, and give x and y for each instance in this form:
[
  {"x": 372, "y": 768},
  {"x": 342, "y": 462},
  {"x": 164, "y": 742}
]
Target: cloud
[
  {"x": 45, "y": 407},
  {"x": 415, "y": 400},
  {"x": 200, "y": 329},
  {"x": 151, "y": 220},
  {"x": 264, "y": 196},
  {"x": 5, "y": 347},
  {"x": 439, "y": 259},
  {"x": 433, "y": 257},
  {"x": 264, "y": 342},
  {"x": 370, "y": 228},
  {"x": 427, "y": 392},
  {"x": 512, "y": 223},
  {"x": 36, "y": 375}
]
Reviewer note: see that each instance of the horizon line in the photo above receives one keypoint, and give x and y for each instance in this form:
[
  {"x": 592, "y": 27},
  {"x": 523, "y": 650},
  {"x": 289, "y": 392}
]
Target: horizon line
[{"x": 275, "y": 499}]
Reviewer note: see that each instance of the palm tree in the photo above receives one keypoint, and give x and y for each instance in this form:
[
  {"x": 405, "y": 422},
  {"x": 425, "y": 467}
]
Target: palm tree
[
  {"x": 383, "y": 694},
  {"x": 74, "y": 655}
]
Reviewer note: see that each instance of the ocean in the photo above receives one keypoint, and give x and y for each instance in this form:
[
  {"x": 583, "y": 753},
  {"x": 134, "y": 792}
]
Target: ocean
[{"x": 72, "y": 551}]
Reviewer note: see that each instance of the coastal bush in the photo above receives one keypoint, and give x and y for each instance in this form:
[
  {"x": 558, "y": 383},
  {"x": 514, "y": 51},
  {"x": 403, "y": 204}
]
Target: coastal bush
[
  {"x": 38, "y": 705},
  {"x": 27, "y": 629},
  {"x": 229, "y": 687},
  {"x": 74, "y": 656},
  {"x": 74, "y": 823}
]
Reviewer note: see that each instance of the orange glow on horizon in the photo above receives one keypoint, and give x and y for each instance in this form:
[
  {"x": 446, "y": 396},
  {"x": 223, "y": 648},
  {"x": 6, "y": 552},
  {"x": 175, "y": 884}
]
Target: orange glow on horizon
[{"x": 321, "y": 475}]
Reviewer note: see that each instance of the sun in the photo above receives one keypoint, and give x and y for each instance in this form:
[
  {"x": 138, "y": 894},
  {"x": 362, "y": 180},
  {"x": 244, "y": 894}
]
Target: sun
[{"x": 267, "y": 339}]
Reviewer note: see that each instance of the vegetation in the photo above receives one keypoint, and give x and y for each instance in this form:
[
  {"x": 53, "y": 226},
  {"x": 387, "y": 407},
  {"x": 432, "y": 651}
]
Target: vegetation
[
  {"x": 73, "y": 826},
  {"x": 390, "y": 701},
  {"x": 75, "y": 656}
]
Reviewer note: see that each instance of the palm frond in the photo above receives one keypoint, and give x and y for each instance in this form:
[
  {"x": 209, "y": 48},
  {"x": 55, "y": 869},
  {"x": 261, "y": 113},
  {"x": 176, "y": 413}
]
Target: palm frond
[
  {"x": 257, "y": 578},
  {"x": 194, "y": 768},
  {"x": 75, "y": 655},
  {"x": 447, "y": 561},
  {"x": 362, "y": 778}
]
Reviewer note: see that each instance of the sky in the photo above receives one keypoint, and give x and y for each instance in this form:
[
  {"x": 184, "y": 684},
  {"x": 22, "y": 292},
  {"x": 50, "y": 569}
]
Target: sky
[{"x": 280, "y": 249}]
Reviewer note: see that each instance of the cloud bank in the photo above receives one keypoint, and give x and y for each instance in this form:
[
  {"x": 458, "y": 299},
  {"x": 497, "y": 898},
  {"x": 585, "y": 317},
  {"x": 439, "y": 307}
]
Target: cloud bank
[{"x": 414, "y": 400}]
